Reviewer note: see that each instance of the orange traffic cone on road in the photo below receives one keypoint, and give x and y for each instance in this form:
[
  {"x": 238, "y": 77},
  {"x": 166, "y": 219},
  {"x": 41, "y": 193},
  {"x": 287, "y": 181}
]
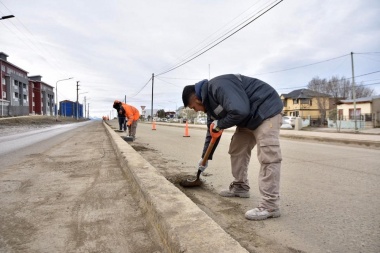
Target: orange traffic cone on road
[
  {"x": 153, "y": 125},
  {"x": 186, "y": 130}
]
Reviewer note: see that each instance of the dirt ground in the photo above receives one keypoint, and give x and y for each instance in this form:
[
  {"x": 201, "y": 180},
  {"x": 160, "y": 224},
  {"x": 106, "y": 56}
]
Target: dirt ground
[
  {"x": 222, "y": 210},
  {"x": 70, "y": 198}
]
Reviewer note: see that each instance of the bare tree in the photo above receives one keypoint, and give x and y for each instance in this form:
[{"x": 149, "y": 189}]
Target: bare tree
[
  {"x": 361, "y": 91},
  {"x": 321, "y": 88},
  {"x": 339, "y": 88}
]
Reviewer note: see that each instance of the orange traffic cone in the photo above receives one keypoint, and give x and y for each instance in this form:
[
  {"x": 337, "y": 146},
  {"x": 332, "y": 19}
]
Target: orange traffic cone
[
  {"x": 186, "y": 130},
  {"x": 154, "y": 125}
]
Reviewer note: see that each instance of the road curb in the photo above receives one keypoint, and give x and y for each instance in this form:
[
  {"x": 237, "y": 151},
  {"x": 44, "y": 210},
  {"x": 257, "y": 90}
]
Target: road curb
[
  {"x": 365, "y": 143},
  {"x": 181, "y": 225}
]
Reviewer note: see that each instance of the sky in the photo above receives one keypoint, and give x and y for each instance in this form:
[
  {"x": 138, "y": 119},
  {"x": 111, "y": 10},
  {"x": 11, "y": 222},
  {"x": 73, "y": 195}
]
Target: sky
[{"x": 113, "y": 47}]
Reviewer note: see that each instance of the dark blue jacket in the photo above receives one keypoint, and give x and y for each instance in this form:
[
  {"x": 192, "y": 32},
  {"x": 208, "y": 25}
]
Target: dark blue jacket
[{"x": 237, "y": 100}]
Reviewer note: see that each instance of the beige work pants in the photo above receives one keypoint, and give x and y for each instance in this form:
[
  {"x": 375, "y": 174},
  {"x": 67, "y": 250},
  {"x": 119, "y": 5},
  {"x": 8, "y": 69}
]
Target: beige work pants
[{"x": 266, "y": 137}]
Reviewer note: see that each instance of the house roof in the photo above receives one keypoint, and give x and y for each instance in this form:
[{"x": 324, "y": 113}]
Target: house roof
[
  {"x": 358, "y": 100},
  {"x": 304, "y": 93}
]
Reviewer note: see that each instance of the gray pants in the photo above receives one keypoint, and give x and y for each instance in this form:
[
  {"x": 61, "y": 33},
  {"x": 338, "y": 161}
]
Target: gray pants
[
  {"x": 133, "y": 129},
  {"x": 266, "y": 137}
]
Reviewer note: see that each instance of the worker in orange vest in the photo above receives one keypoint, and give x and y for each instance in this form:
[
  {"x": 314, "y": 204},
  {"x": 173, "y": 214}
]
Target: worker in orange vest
[{"x": 131, "y": 113}]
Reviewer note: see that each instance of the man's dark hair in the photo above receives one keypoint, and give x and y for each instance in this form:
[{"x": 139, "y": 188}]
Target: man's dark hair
[
  {"x": 117, "y": 105},
  {"x": 188, "y": 91}
]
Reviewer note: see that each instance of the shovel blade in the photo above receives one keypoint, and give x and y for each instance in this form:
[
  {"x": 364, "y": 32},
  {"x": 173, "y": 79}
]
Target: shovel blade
[{"x": 191, "y": 182}]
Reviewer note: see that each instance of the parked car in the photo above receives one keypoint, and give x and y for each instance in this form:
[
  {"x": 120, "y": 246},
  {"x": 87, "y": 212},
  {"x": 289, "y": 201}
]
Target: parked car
[
  {"x": 291, "y": 120},
  {"x": 202, "y": 121}
]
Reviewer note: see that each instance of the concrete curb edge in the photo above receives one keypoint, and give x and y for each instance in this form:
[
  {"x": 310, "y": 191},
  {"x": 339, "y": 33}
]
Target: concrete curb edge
[{"x": 180, "y": 223}]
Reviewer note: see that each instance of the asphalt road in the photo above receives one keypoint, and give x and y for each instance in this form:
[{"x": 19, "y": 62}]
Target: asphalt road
[
  {"x": 24, "y": 139},
  {"x": 329, "y": 193}
]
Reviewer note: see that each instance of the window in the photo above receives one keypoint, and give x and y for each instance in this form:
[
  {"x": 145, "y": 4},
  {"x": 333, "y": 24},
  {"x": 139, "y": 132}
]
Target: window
[
  {"x": 351, "y": 113},
  {"x": 16, "y": 95},
  {"x": 295, "y": 101},
  {"x": 340, "y": 114}
]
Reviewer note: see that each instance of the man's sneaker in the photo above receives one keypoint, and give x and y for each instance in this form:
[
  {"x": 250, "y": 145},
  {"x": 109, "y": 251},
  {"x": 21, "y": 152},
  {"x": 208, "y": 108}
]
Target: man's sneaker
[
  {"x": 236, "y": 190},
  {"x": 261, "y": 213}
]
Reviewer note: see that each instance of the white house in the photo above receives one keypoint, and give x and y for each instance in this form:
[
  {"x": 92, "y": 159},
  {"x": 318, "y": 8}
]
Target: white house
[{"x": 367, "y": 112}]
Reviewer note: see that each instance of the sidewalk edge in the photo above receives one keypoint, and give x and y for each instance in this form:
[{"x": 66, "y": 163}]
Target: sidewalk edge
[{"x": 180, "y": 223}]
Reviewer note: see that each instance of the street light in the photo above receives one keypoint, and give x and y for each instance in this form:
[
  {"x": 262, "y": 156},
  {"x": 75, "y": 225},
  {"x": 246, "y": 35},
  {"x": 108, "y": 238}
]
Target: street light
[
  {"x": 1, "y": 85},
  {"x": 6, "y": 17},
  {"x": 56, "y": 96}
]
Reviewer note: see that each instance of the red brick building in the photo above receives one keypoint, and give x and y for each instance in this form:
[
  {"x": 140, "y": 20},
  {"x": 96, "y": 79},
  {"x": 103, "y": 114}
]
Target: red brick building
[{"x": 41, "y": 97}]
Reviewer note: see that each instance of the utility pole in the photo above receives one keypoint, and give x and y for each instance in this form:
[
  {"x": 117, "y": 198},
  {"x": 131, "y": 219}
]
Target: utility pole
[
  {"x": 77, "y": 98},
  {"x": 353, "y": 90},
  {"x": 85, "y": 110},
  {"x": 88, "y": 110},
  {"x": 125, "y": 98},
  {"x": 151, "y": 110}
]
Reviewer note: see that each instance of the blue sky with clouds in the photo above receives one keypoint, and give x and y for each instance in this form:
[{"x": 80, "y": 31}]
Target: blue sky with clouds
[{"x": 113, "y": 47}]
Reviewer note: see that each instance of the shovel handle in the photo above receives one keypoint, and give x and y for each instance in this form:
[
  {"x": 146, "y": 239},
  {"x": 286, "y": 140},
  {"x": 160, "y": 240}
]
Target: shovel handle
[
  {"x": 214, "y": 137},
  {"x": 207, "y": 154}
]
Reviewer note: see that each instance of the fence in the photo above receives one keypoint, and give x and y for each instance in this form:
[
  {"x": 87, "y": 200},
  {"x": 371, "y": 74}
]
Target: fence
[{"x": 366, "y": 120}]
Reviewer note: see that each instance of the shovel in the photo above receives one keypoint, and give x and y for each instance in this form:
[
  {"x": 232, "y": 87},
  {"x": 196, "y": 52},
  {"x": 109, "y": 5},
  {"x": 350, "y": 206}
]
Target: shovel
[{"x": 197, "y": 182}]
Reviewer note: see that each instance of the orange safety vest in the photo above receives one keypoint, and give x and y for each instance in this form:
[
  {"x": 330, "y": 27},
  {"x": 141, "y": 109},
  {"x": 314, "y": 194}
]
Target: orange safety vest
[{"x": 131, "y": 113}]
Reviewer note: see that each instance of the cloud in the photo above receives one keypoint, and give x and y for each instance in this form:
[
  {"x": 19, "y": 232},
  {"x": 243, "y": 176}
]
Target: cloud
[{"x": 113, "y": 47}]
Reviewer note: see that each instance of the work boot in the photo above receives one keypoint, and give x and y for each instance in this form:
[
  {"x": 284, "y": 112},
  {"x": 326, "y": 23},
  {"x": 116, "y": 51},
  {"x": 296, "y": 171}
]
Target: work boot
[
  {"x": 262, "y": 213},
  {"x": 236, "y": 190}
]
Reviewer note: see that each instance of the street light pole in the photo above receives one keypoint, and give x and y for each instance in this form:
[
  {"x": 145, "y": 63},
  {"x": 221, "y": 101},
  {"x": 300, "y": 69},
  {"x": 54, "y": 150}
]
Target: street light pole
[
  {"x": 56, "y": 96},
  {"x": 6, "y": 17},
  {"x": 1, "y": 83}
]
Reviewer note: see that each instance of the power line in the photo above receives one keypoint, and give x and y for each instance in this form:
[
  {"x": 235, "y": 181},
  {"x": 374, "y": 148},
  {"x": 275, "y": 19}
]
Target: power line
[
  {"x": 167, "y": 82},
  {"x": 369, "y": 53},
  {"x": 142, "y": 88},
  {"x": 181, "y": 78},
  {"x": 217, "y": 43},
  {"x": 37, "y": 49},
  {"x": 204, "y": 40},
  {"x": 303, "y": 66}
]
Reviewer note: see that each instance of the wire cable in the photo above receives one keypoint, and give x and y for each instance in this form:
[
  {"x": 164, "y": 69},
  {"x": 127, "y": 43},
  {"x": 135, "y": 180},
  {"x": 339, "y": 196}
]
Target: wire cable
[
  {"x": 303, "y": 66},
  {"x": 142, "y": 87},
  {"x": 217, "y": 43},
  {"x": 204, "y": 40}
]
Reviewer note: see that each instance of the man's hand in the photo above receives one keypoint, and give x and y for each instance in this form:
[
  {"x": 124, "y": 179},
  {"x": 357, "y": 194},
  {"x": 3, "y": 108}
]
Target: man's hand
[
  {"x": 214, "y": 126},
  {"x": 202, "y": 167}
]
